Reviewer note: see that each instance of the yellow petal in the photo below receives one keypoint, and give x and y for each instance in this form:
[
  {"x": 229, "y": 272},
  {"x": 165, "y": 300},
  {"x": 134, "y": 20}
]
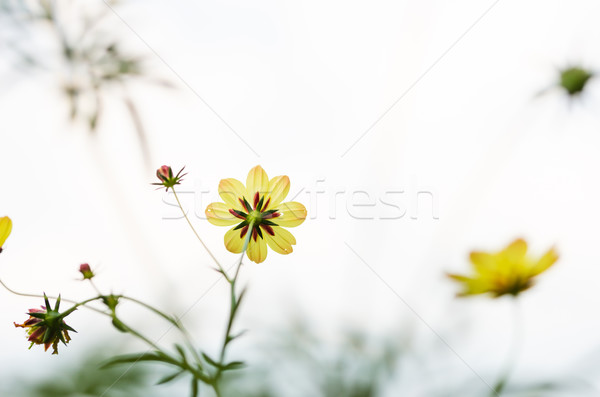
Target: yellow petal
[
  {"x": 472, "y": 286},
  {"x": 545, "y": 262},
  {"x": 218, "y": 214},
  {"x": 482, "y": 261},
  {"x": 257, "y": 181},
  {"x": 516, "y": 251},
  {"x": 257, "y": 250},
  {"x": 233, "y": 242},
  {"x": 292, "y": 214},
  {"x": 281, "y": 242},
  {"x": 279, "y": 188},
  {"x": 231, "y": 190},
  {"x": 5, "y": 229}
]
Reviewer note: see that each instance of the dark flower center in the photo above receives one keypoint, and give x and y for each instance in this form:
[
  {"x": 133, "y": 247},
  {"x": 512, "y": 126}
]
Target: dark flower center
[{"x": 257, "y": 215}]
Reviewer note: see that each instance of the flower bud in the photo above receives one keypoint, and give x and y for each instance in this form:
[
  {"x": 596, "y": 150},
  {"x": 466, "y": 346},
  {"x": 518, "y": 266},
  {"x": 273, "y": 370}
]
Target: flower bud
[
  {"x": 574, "y": 80},
  {"x": 86, "y": 271},
  {"x": 165, "y": 175}
]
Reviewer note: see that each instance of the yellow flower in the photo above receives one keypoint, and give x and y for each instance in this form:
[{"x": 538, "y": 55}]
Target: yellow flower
[
  {"x": 509, "y": 271},
  {"x": 5, "y": 228},
  {"x": 257, "y": 205}
]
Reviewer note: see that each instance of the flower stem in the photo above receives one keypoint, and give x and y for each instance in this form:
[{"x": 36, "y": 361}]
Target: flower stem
[
  {"x": 233, "y": 310},
  {"x": 513, "y": 350},
  {"x": 196, "y": 233},
  {"x": 173, "y": 321},
  {"x": 12, "y": 291}
]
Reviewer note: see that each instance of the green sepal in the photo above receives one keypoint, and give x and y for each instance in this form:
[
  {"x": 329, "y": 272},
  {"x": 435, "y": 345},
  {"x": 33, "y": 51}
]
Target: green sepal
[
  {"x": 47, "y": 335},
  {"x": 247, "y": 204},
  {"x": 62, "y": 338},
  {"x": 260, "y": 203},
  {"x": 240, "y": 213},
  {"x": 241, "y": 225},
  {"x": 68, "y": 328},
  {"x": 57, "y": 305},
  {"x": 47, "y": 303},
  {"x": 111, "y": 301}
]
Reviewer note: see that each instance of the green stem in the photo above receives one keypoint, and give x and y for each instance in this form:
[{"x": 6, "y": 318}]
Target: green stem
[
  {"x": 233, "y": 310},
  {"x": 513, "y": 351},
  {"x": 140, "y": 336},
  {"x": 196, "y": 233},
  {"x": 94, "y": 286},
  {"x": 12, "y": 291},
  {"x": 216, "y": 388},
  {"x": 175, "y": 322}
]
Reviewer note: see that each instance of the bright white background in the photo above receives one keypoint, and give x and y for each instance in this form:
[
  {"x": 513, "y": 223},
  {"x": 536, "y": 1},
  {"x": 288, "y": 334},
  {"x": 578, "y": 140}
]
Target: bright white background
[{"x": 300, "y": 82}]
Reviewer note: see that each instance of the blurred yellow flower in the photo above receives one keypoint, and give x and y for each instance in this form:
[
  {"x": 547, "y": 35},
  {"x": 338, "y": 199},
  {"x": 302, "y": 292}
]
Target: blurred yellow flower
[
  {"x": 5, "y": 229},
  {"x": 259, "y": 204},
  {"x": 509, "y": 271}
]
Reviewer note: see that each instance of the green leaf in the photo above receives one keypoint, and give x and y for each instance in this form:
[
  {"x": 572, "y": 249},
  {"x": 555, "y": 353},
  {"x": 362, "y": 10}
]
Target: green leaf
[
  {"x": 232, "y": 337},
  {"x": 134, "y": 358},
  {"x": 181, "y": 352},
  {"x": 210, "y": 360},
  {"x": 170, "y": 378},
  {"x": 234, "y": 365}
]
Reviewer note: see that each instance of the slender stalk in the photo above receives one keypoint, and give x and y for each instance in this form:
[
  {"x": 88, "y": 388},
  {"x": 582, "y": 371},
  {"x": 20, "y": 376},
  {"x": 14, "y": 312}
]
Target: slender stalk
[
  {"x": 12, "y": 291},
  {"x": 94, "y": 286},
  {"x": 141, "y": 337},
  {"x": 233, "y": 310},
  {"x": 513, "y": 351},
  {"x": 196, "y": 233},
  {"x": 175, "y": 322}
]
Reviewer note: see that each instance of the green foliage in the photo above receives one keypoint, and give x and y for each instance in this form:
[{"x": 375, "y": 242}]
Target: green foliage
[{"x": 84, "y": 378}]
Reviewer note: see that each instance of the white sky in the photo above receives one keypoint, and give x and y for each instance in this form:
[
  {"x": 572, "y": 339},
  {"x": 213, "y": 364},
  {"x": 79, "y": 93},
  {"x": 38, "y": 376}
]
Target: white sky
[{"x": 300, "y": 82}]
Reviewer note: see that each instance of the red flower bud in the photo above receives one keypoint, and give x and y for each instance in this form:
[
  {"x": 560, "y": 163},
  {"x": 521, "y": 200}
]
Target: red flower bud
[
  {"x": 167, "y": 180},
  {"x": 164, "y": 173},
  {"x": 86, "y": 271}
]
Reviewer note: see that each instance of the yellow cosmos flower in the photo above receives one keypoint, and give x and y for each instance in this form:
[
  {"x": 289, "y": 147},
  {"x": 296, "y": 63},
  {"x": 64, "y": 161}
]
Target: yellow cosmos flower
[
  {"x": 509, "y": 271},
  {"x": 5, "y": 229},
  {"x": 258, "y": 206}
]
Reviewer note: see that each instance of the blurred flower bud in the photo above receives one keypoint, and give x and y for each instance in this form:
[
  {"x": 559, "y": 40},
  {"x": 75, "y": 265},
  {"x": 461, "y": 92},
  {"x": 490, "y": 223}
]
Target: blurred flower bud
[
  {"x": 574, "y": 79},
  {"x": 165, "y": 174},
  {"x": 111, "y": 301},
  {"x": 86, "y": 271}
]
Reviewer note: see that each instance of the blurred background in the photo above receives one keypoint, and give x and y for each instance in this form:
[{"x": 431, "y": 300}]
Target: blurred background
[{"x": 412, "y": 132}]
